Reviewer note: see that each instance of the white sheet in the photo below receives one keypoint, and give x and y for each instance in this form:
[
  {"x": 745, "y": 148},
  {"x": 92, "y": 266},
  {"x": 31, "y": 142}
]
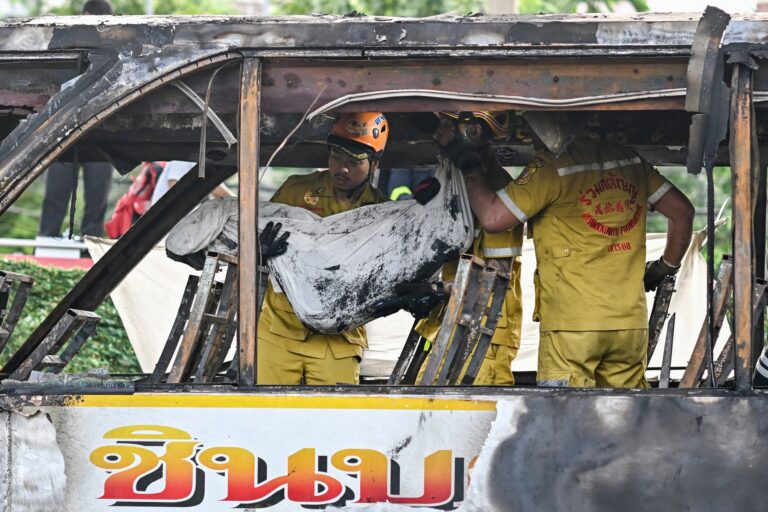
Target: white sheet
[{"x": 338, "y": 269}]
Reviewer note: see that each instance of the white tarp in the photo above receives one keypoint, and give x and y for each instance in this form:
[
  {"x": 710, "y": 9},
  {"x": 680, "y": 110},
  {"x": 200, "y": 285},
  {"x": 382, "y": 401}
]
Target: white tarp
[
  {"x": 147, "y": 299},
  {"x": 337, "y": 269}
]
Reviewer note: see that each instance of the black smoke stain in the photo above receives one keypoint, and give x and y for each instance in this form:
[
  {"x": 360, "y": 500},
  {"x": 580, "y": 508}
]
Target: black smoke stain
[{"x": 633, "y": 453}]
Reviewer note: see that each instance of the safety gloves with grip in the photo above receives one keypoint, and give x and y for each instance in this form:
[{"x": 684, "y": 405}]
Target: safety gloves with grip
[
  {"x": 270, "y": 244},
  {"x": 656, "y": 271},
  {"x": 426, "y": 190}
]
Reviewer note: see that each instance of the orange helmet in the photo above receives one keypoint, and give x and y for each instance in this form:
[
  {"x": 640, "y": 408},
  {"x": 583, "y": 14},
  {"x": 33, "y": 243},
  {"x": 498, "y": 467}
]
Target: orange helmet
[
  {"x": 497, "y": 122},
  {"x": 360, "y": 134}
]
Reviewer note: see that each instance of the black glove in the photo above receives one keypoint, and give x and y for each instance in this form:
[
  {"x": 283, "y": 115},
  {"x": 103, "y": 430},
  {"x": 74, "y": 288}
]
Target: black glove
[
  {"x": 461, "y": 151},
  {"x": 426, "y": 190},
  {"x": 270, "y": 245},
  {"x": 418, "y": 298},
  {"x": 655, "y": 272},
  {"x": 196, "y": 260}
]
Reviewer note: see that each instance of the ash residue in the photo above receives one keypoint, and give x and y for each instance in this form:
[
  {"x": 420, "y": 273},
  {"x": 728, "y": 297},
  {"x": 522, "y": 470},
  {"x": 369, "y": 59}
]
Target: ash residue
[{"x": 453, "y": 207}]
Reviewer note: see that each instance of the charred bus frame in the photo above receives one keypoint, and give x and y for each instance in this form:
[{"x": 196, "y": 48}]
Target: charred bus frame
[{"x": 275, "y": 70}]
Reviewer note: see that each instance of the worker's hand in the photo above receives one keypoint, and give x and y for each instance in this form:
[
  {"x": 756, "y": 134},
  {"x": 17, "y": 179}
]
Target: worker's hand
[
  {"x": 656, "y": 271},
  {"x": 271, "y": 245},
  {"x": 426, "y": 190},
  {"x": 196, "y": 260},
  {"x": 420, "y": 297},
  {"x": 462, "y": 153}
]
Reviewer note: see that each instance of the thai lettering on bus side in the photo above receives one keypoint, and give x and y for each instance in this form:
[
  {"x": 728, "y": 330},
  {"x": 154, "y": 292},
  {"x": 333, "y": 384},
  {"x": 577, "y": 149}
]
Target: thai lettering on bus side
[{"x": 170, "y": 459}]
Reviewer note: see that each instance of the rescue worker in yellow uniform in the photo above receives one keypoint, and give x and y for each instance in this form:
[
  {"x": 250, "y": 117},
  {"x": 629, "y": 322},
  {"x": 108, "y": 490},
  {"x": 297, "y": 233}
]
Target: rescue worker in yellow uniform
[
  {"x": 585, "y": 202},
  {"x": 505, "y": 248},
  {"x": 288, "y": 352}
]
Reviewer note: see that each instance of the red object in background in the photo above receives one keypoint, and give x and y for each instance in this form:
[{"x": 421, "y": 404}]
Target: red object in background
[
  {"x": 66, "y": 263},
  {"x": 135, "y": 202}
]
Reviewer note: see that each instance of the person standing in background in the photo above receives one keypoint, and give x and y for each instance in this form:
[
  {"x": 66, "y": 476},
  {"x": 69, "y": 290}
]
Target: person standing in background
[{"x": 61, "y": 178}]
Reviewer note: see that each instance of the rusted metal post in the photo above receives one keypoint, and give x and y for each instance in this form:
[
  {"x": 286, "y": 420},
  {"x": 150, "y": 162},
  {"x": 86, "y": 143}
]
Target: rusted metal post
[
  {"x": 248, "y": 171},
  {"x": 743, "y": 221},
  {"x": 659, "y": 312}
]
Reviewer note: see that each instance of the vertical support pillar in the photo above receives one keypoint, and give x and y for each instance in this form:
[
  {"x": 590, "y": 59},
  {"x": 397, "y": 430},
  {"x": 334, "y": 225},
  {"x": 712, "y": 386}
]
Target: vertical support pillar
[
  {"x": 248, "y": 172},
  {"x": 743, "y": 262}
]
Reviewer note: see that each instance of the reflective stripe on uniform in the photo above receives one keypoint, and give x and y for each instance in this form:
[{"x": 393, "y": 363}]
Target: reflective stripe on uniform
[
  {"x": 400, "y": 191},
  {"x": 502, "y": 252},
  {"x": 598, "y": 166},
  {"x": 510, "y": 204},
  {"x": 653, "y": 198}
]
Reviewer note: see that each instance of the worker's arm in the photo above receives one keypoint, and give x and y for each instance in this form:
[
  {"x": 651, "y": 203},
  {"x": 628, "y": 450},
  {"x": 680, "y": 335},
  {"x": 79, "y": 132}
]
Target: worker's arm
[
  {"x": 679, "y": 213},
  {"x": 494, "y": 215}
]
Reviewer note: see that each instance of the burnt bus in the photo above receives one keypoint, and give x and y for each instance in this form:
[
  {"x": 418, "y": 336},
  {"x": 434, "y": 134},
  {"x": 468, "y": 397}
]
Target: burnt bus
[{"x": 683, "y": 90}]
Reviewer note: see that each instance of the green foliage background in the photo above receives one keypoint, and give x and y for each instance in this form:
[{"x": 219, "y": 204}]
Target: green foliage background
[
  {"x": 432, "y": 7},
  {"x": 370, "y": 7},
  {"x": 108, "y": 347},
  {"x": 72, "y": 7}
]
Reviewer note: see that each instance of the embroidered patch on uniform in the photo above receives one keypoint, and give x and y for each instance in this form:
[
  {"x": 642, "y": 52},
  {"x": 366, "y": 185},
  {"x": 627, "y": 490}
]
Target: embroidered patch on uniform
[
  {"x": 619, "y": 206},
  {"x": 526, "y": 175},
  {"x": 310, "y": 199}
]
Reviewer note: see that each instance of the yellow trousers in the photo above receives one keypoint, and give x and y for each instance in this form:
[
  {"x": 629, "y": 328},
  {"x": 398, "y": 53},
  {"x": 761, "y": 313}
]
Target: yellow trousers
[
  {"x": 276, "y": 365},
  {"x": 495, "y": 370},
  {"x": 605, "y": 359}
]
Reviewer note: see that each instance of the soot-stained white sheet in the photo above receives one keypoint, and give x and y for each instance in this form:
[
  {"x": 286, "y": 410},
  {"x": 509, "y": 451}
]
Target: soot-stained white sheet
[{"x": 338, "y": 268}]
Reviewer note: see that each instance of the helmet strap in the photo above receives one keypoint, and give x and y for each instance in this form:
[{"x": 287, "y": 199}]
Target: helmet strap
[
  {"x": 358, "y": 188},
  {"x": 368, "y": 180}
]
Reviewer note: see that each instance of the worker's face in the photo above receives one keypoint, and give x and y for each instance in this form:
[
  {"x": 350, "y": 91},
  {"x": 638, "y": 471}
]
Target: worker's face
[
  {"x": 447, "y": 130},
  {"x": 348, "y": 173}
]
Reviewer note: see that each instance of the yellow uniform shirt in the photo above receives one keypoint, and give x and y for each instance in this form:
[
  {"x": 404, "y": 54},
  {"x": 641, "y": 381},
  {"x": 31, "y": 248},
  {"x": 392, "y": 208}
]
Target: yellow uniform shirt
[
  {"x": 278, "y": 323},
  {"x": 586, "y": 210},
  {"x": 507, "y": 244}
]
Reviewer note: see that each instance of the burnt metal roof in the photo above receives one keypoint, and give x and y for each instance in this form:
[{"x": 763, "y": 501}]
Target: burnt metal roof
[{"x": 586, "y": 31}]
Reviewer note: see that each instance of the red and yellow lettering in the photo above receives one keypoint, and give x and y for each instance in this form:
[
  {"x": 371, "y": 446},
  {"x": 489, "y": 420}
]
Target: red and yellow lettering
[
  {"x": 300, "y": 483},
  {"x": 133, "y": 462},
  {"x": 372, "y": 468},
  {"x": 438, "y": 481}
]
